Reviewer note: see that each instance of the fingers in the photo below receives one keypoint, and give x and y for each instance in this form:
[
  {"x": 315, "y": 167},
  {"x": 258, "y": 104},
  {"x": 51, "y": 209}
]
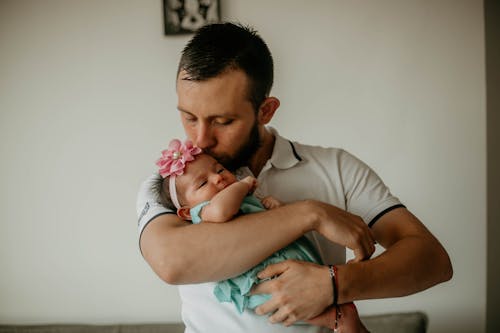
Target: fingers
[
  {"x": 270, "y": 306},
  {"x": 346, "y": 229},
  {"x": 364, "y": 244},
  {"x": 270, "y": 202},
  {"x": 281, "y": 315},
  {"x": 362, "y": 253},
  {"x": 252, "y": 183},
  {"x": 262, "y": 288},
  {"x": 297, "y": 293},
  {"x": 273, "y": 270},
  {"x": 268, "y": 282}
]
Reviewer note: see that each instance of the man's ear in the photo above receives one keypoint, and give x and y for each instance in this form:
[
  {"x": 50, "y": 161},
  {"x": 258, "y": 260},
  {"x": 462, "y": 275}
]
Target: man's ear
[
  {"x": 184, "y": 213},
  {"x": 267, "y": 110}
]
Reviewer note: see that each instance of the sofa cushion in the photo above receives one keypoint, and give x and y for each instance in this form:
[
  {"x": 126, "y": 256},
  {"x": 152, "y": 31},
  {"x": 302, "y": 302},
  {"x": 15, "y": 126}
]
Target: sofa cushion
[{"x": 414, "y": 322}]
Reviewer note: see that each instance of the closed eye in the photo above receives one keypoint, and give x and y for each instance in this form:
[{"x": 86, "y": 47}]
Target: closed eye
[
  {"x": 223, "y": 121},
  {"x": 187, "y": 116}
]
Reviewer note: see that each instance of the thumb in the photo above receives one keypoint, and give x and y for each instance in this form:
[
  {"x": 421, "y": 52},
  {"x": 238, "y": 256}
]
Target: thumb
[{"x": 273, "y": 270}]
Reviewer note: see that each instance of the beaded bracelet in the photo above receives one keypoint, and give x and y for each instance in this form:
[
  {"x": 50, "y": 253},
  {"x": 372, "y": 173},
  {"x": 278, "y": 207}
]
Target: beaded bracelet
[
  {"x": 338, "y": 315},
  {"x": 333, "y": 275}
]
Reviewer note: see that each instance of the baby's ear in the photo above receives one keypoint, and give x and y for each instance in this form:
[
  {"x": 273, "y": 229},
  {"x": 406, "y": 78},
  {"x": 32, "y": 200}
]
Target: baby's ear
[{"x": 184, "y": 213}]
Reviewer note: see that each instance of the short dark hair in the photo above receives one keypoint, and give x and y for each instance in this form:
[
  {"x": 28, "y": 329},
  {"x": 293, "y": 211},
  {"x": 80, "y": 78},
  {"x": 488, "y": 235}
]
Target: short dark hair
[{"x": 218, "y": 47}]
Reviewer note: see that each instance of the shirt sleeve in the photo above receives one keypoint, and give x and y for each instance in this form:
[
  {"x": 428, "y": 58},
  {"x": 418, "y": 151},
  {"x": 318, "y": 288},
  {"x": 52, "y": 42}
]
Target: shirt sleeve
[
  {"x": 366, "y": 194},
  {"x": 148, "y": 206}
]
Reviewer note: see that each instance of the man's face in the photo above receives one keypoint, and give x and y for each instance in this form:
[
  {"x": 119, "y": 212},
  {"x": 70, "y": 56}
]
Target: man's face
[{"x": 218, "y": 117}]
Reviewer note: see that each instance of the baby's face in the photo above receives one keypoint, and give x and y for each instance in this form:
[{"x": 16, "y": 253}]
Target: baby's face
[{"x": 202, "y": 179}]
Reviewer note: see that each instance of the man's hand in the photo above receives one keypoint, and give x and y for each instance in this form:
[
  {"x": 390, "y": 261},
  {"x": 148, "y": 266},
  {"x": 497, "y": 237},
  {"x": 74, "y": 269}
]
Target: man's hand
[
  {"x": 345, "y": 229},
  {"x": 301, "y": 290}
]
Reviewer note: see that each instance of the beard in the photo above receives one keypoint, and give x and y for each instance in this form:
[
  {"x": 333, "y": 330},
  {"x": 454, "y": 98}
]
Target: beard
[{"x": 243, "y": 154}]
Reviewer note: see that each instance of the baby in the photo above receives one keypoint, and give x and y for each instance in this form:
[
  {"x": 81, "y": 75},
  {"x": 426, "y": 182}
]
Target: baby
[{"x": 200, "y": 189}]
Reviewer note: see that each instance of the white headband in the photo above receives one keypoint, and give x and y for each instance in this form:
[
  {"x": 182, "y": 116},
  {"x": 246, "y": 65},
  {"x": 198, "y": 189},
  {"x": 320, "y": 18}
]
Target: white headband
[{"x": 173, "y": 192}]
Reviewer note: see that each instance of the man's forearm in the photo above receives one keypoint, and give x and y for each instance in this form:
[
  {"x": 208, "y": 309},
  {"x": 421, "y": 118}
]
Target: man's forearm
[
  {"x": 411, "y": 263},
  {"x": 182, "y": 253}
]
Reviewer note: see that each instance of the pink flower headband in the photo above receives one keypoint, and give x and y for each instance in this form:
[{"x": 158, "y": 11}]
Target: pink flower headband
[{"x": 173, "y": 162}]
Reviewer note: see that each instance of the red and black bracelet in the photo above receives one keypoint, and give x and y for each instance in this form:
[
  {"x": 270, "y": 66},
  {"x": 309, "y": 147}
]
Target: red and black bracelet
[{"x": 333, "y": 275}]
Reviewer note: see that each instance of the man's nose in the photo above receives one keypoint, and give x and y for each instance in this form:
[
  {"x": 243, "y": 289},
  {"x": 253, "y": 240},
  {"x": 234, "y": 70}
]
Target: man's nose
[{"x": 205, "y": 138}]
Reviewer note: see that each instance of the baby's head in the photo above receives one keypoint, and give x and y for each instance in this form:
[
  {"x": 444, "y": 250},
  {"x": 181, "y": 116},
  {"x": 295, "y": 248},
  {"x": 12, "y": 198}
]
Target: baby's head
[{"x": 189, "y": 176}]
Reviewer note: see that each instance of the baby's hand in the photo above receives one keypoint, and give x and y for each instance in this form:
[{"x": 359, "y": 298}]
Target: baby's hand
[
  {"x": 270, "y": 202},
  {"x": 251, "y": 182}
]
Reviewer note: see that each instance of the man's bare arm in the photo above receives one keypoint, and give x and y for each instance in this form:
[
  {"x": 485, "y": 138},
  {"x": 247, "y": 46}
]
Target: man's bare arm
[
  {"x": 414, "y": 260},
  {"x": 180, "y": 252}
]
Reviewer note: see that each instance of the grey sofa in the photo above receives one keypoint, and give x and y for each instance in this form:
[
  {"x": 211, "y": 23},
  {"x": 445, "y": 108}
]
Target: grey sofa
[{"x": 414, "y": 322}]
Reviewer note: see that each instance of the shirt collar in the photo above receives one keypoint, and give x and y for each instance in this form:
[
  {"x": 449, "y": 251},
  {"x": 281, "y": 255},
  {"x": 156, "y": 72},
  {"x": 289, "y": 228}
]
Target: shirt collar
[{"x": 284, "y": 155}]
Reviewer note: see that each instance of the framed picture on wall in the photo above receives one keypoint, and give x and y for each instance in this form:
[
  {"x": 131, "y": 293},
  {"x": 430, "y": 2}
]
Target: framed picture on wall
[{"x": 186, "y": 16}]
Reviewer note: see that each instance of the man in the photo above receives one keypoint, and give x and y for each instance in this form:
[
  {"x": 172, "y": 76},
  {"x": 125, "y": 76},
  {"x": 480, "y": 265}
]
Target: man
[{"x": 223, "y": 85}]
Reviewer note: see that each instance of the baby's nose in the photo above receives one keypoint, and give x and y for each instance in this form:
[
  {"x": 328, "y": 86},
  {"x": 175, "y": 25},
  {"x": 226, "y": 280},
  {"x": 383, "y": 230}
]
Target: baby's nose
[{"x": 217, "y": 178}]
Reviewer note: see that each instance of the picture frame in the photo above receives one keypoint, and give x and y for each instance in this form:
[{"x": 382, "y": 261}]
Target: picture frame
[{"x": 187, "y": 16}]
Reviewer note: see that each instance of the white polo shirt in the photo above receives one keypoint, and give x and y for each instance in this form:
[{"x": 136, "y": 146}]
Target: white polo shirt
[{"x": 294, "y": 172}]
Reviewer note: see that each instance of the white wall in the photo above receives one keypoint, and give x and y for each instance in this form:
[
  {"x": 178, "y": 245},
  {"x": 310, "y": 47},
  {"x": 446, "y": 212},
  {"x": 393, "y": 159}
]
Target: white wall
[{"x": 87, "y": 100}]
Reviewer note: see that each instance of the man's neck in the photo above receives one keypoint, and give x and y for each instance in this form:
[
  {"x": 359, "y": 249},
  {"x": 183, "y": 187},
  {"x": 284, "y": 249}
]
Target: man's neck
[{"x": 263, "y": 153}]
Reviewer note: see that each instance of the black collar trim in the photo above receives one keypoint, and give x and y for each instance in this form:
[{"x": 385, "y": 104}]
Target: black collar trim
[{"x": 297, "y": 156}]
